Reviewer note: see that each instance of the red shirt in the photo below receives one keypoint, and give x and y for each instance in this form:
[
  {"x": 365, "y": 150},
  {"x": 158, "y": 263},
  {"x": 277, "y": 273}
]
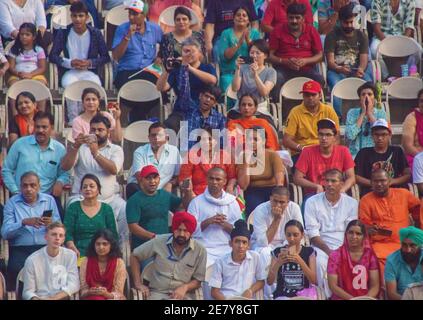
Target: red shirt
[
  {"x": 313, "y": 164},
  {"x": 275, "y": 13},
  {"x": 287, "y": 46}
]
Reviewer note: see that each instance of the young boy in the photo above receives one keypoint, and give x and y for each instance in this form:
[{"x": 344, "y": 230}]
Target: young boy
[{"x": 239, "y": 273}]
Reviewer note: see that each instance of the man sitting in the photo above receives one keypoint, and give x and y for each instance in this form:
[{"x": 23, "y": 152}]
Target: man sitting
[
  {"x": 26, "y": 215},
  {"x": 414, "y": 290},
  {"x": 382, "y": 155},
  {"x": 84, "y": 52},
  {"x": 403, "y": 266},
  {"x": 103, "y": 159},
  {"x": 301, "y": 124},
  {"x": 147, "y": 211},
  {"x": 215, "y": 211},
  {"x": 51, "y": 273},
  {"x": 326, "y": 216},
  {"x": 179, "y": 262},
  {"x": 164, "y": 156},
  {"x": 315, "y": 160},
  {"x": 385, "y": 211},
  {"x": 240, "y": 272},
  {"x": 295, "y": 48}
]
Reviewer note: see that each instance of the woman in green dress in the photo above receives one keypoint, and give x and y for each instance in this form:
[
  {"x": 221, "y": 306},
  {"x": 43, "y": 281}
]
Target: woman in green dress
[{"x": 84, "y": 218}]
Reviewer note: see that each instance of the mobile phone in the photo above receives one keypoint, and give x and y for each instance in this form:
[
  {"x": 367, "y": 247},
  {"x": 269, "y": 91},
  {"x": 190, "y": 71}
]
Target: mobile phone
[
  {"x": 91, "y": 138},
  {"x": 48, "y": 213},
  {"x": 284, "y": 251},
  {"x": 247, "y": 59},
  {"x": 384, "y": 232},
  {"x": 185, "y": 183},
  {"x": 111, "y": 105}
]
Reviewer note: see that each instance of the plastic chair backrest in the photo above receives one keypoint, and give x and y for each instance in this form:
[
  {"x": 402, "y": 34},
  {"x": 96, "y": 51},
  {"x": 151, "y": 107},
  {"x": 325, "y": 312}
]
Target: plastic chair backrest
[
  {"x": 137, "y": 131},
  {"x": 404, "y": 88},
  {"x": 347, "y": 89},
  {"x": 397, "y": 46},
  {"x": 166, "y": 17},
  {"x": 114, "y": 18},
  {"x": 291, "y": 89},
  {"x": 74, "y": 91},
  {"x": 139, "y": 90},
  {"x": 39, "y": 90},
  {"x": 250, "y": 220},
  {"x": 61, "y": 17}
]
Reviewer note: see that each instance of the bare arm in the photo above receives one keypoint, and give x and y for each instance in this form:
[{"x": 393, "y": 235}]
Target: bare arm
[
  {"x": 336, "y": 289},
  {"x": 267, "y": 28},
  {"x": 273, "y": 270},
  {"x": 319, "y": 243},
  {"x": 162, "y": 84},
  {"x": 349, "y": 181},
  {"x": 236, "y": 81},
  {"x": 374, "y": 287},
  {"x": 208, "y": 35},
  {"x": 391, "y": 290},
  {"x": 68, "y": 161},
  {"x": 135, "y": 271},
  {"x": 405, "y": 178},
  {"x": 300, "y": 180},
  {"x": 140, "y": 232},
  {"x": 270, "y": 233},
  {"x": 41, "y": 64},
  {"x": 216, "y": 294},
  {"x": 58, "y": 296},
  {"x": 326, "y": 26},
  {"x": 314, "y": 59},
  {"x": 290, "y": 143}
]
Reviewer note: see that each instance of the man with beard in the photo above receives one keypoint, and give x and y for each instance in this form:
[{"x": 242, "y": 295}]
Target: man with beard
[
  {"x": 385, "y": 211},
  {"x": 61, "y": 280},
  {"x": 38, "y": 153},
  {"x": 179, "y": 262},
  {"x": 347, "y": 52},
  {"x": 403, "y": 266},
  {"x": 98, "y": 156},
  {"x": 295, "y": 48},
  {"x": 301, "y": 124},
  {"x": 147, "y": 211}
]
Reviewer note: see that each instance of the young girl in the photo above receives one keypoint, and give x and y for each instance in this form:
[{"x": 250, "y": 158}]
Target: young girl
[
  {"x": 27, "y": 60},
  {"x": 293, "y": 266}
]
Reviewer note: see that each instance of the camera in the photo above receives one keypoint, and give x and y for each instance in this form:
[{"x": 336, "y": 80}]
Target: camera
[
  {"x": 247, "y": 59},
  {"x": 172, "y": 63}
]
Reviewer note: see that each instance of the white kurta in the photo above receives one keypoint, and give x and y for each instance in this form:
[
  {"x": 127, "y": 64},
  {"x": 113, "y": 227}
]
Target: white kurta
[{"x": 214, "y": 238}]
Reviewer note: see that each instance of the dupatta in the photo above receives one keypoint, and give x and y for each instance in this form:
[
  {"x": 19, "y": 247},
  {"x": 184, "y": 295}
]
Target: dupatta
[{"x": 94, "y": 278}]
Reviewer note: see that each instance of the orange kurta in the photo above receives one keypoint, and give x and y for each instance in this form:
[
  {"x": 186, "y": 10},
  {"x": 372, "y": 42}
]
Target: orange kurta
[
  {"x": 272, "y": 141},
  {"x": 390, "y": 212}
]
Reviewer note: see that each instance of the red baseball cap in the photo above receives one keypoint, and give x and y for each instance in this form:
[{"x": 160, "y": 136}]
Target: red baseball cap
[
  {"x": 311, "y": 87},
  {"x": 147, "y": 170}
]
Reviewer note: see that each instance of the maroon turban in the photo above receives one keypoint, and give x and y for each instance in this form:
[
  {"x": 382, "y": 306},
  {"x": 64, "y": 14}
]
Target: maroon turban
[{"x": 186, "y": 218}]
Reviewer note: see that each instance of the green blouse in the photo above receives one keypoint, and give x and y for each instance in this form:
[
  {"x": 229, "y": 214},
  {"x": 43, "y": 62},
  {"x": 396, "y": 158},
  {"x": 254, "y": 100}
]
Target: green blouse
[{"x": 80, "y": 228}]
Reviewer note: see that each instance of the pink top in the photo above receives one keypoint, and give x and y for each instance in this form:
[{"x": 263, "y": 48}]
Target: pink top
[{"x": 82, "y": 126}]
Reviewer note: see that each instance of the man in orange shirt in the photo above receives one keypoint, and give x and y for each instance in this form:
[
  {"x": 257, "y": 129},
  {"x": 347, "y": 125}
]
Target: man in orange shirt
[{"x": 385, "y": 211}]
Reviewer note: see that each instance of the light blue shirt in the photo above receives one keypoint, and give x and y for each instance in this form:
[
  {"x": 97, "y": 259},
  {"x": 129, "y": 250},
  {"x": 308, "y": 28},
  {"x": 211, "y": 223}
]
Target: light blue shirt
[
  {"x": 398, "y": 270},
  {"x": 168, "y": 164},
  {"x": 141, "y": 50},
  {"x": 26, "y": 155},
  {"x": 16, "y": 209}
]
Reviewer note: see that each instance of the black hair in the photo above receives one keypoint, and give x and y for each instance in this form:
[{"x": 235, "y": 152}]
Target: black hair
[
  {"x": 156, "y": 125},
  {"x": 260, "y": 44},
  {"x": 296, "y": 8},
  {"x": 90, "y": 90},
  {"x": 30, "y": 174},
  {"x": 91, "y": 177},
  {"x": 78, "y": 6},
  {"x": 44, "y": 115},
  {"x": 108, "y": 235},
  {"x": 294, "y": 223},
  {"x": 245, "y": 9},
  {"x": 379, "y": 170},
  {"x": 182, "y": 10},
  {"x": 251, "y": 96},
  {"x": 334, "y": 171},
  {"x": 357, "y": 223},
  {"x": 280, "y": 191},
  {"x": 99, "y": 118},
  {"x": 17, "y": 47},
  {"x": 367, "y": 85},
  {"x": 213, "y": 90},
  {"x": 25, "y": 94}
]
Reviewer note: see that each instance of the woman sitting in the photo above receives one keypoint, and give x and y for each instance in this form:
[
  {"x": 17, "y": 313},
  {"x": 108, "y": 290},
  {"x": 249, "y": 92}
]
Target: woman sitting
[
  {"x": 84, "y": 218},
  {"x": 293, "y": 266},
  {"x": 187, "y": 76},
  {"x": 254, "y": 77},
  {"x": 360, "y": 120},
  {"x": 234, "y": 43},
  {"x": 91, "y": 106},
  {"x": 103, "y": 272},
  {"x": 248, "y": 107},
  {"x": 22, "y": 124},
  {"x": 200, "y": 160},
  {"x": 171, "y": 44},
  {"x": 353, "y": 269},
  {"x": 260, "y": 172}
]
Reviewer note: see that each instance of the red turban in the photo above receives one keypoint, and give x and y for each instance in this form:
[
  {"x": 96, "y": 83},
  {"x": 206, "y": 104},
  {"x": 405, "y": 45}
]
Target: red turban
[{"x": 186, "y": 218}]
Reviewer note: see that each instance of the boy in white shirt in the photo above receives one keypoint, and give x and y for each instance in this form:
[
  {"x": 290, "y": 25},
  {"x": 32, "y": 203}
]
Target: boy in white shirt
[
  {"x": 51, "y": 273},
  {"x": 239, "y": 273}
]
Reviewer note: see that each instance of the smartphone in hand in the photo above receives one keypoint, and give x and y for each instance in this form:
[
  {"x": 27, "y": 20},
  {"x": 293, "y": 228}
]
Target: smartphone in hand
[
  {"x": 47, "y": 213},
  {"x": 91, "y": 138},
  {"x": 247, "y": 59}
]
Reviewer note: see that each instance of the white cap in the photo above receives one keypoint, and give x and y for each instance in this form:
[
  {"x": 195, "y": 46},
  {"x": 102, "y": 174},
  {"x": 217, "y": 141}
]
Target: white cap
[
  {"x": 136, "y": 5},
  {"x": 381, "y": 123}
]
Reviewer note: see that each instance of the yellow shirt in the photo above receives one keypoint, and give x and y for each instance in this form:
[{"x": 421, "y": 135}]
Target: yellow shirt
[{"x": 302, "y": 124}]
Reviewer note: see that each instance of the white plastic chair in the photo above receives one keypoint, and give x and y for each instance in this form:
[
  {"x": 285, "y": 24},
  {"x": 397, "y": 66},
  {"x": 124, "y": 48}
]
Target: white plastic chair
[
  {"x": 114, "y": 18},
  {"x": 61, "y": 17},
  {"x": 166, "y": 17},
  {"x": 363, "y": 298},
  {"x": 137, "y": 131},
  {"x": 346, "y": 89},
  {"x": 405, "y": 88},
  {"x": 141, "y": 91}
]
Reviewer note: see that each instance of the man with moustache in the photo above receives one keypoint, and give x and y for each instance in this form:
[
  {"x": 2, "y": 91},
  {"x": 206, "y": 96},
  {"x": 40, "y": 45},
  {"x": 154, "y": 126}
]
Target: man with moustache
[
  {"x": 179, "y": 262},
  {"x": 347, "y": 52},
  {"x": 403, "y": 266},
  {"x": 147, "y": 211},
  {"x": 296, "y": 48},
  {"x": 38, "y": 153}
]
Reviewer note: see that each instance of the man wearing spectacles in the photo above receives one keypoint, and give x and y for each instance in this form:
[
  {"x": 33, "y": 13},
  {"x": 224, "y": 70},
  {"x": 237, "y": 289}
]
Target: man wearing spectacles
[
  {"x": 317, "y": 159},
  {"x": 382, "y": 155}
]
